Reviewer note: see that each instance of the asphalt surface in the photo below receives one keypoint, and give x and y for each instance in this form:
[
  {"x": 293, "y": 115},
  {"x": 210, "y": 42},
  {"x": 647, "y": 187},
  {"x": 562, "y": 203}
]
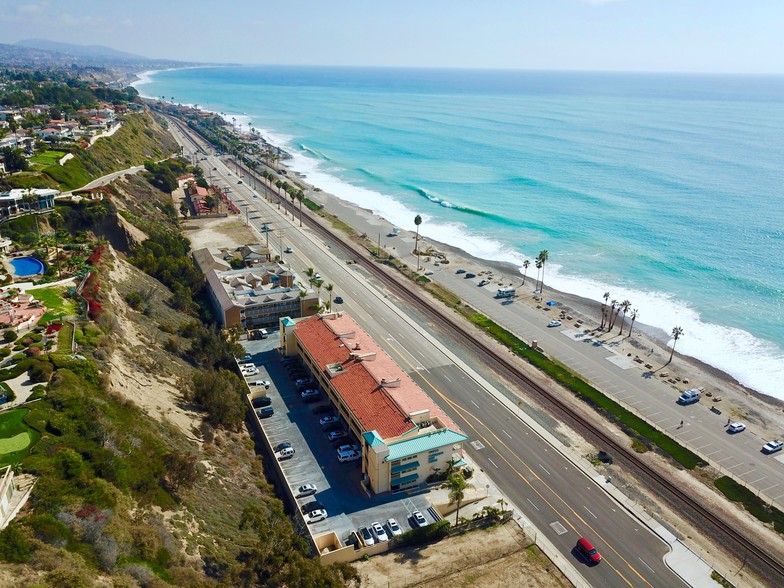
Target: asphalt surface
[{"x": 560, "y": 500}]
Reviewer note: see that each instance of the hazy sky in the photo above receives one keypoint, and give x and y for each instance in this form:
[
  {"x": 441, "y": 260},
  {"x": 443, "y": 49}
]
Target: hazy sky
[{"x": 633, "y": 35}]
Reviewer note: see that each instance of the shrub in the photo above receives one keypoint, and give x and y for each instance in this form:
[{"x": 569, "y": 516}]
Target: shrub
[
  {"x": 135, "y": 300},
  {"x": 14, "y": 546},
  {"x": 426, "y": 534},
  {"x": 5, "y": 352},
  {"x": 9, "y": 335},
  {"x": 41, "y": 371}
]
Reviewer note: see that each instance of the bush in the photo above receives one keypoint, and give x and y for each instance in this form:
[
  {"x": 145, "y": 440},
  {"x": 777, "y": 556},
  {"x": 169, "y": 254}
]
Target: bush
[
  {"x": 14, "y": 546},
  {"x": 5, "y": 352},
  {"x": 135, "y": 300},
  {"x": 427, "y": 534},
  {"x": 9, "y": 335},
  {"x": 41, "y": 371}
]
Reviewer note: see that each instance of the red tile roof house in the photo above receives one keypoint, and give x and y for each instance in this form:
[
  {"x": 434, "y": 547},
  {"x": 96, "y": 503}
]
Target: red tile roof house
[{"x": 404, "y": 435}]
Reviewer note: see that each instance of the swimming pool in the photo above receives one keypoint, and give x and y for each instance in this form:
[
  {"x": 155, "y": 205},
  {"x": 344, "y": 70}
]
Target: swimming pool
[{"x": 27, "y": 266}]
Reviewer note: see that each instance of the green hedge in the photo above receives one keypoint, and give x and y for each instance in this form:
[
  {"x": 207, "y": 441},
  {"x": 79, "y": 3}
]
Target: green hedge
[
  {"x": 565, "y": 377},
  {"x": 428, "y": 534},
  {"x": 751, "y": 502}
]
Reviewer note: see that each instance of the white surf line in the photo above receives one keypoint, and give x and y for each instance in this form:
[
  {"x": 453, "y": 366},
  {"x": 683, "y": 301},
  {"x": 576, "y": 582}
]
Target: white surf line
[
  {"x": 532, "y": 504},
  {"x": 589, "y": 512}
]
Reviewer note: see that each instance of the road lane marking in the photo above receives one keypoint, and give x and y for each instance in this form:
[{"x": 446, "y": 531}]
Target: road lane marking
[
  {"x": 589, "y": 512},
  {"x": 646, "y": 565},
  {"x": 545, "y": 470},
  {"x": 475, "y": 404},
  {"x": 532, "y": 504},
  {"x": 505, "y": 433},
  {"x": 492, "y": 462}
]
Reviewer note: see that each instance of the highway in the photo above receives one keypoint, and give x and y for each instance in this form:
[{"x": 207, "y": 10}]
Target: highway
[{"x": 546, "y": 489}]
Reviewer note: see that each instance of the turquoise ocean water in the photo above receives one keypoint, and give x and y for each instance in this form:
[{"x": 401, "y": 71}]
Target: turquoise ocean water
[{"x": 666, "y": 190}]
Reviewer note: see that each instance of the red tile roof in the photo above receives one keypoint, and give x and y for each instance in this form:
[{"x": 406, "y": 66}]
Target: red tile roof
[
  {"x": 370, "y": 403},
  {"x": 384, "y": 409}
]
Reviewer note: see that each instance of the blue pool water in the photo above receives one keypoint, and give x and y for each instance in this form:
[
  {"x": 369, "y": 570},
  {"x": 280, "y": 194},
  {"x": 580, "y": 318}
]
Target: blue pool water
[{"x": 27, "y": 266}]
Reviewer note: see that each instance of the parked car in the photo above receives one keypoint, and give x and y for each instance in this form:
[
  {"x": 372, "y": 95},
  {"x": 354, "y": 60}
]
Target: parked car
[
  {"x": 338, "y": 300},
  {"x": 394, "y": 528},
  {"x": 286, "y": 453},
  {"x": 261, "y": 401},
  {"x": 302, "y": 381},
  {"x": 281, "y": 446},
  {"x": 367, "y": 536},
  {"x": 460, "y": 271},
  {"x": 483, "y": 283},
  {"x": 322, "y": 409},
  {"x": 554, "y": 324},
  {"x": 306, "y": 490},
  {"x": 736, "y": 427},
  {"x": 311, "y": 506},
  {"x": 265, "y": 412},
  {"x": 379, "y": 532},
  {"x": 310, "y": 395},
  {"x": 316, "y": 516},
  {"x": 429, "y": 272},
  {"x": 772, "y": 446},
  {"x": 586, "y": 548},
  {"x": 264, "y": 383},
  {"x": 419, "y": 519},
  {"x": 245, "y": 358},
  {"x": 328, "y": 420},
  {"x": 288, "y": 250},
  {"x": 469, "y": 276},
  {"x": 348, "y": 447},
  {"x": 254, "y": 371},
  {"x": 345, "y": 456},
  {"x": 337, "y": 435}
]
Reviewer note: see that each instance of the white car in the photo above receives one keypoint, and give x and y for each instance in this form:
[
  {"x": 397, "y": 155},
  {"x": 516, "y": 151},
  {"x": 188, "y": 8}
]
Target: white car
[
  {"x": 345, "y": 456},
  {"x": 367, "y": 536},
  {"x": 772, "y": 446},
  {"x": 285, "y": 453},
  {"x": 419, "y": 519},
  {"x": 328, "y": 420},
  {"x": 554, "y": 324},
  {"x": 315, "y": 516},
  {"x": 736, "y": 427},
  {"x": 379, "y": 532},
  {"x": 351, "y": 447},
  {"x": 254, "y": 371},
  {"x": 264, "y": 383},
  {"x": 306, "y": 490},
  {"x": 394, "y": 528}
]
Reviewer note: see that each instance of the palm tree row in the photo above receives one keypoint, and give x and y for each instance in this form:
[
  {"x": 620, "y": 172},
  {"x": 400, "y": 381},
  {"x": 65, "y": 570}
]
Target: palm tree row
[{"x": 612, "y": 309}]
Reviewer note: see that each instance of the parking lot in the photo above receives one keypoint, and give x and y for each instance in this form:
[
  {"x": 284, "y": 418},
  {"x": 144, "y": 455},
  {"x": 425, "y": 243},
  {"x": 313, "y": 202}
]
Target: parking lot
[{"x": 339, "y": 490}]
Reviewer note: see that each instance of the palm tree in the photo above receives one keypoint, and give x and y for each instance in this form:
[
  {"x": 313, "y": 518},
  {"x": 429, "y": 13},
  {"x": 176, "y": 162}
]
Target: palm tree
[
  {"x": 457, "y": 485},
  {"x": 293, "y": 197},
  {"x": 279, "y": 185},
  {"x": 28, "y": 198},
  {"x": 544, "y": 255},
  {"x": 417, "y": 222},
  {"x": 634, "y": 314},
  {"x": 526, "y": 263},
  {"x": 300, "y": 197},
  {"x": 677, "y": 333},
  {"x": 310, "y": 272},
  {"x": 329, "y": 288},
  {"x": 604, "y": 309},
  {"x": 625, "y": 306},
  {"x": 611, "y": 316},
  {"x": 538, "y": 264}
]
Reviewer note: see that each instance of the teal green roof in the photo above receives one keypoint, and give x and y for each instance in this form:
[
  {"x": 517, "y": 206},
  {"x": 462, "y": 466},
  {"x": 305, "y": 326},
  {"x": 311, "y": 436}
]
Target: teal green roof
[
  {"x": 287, "y": 322},
  {"x": 372, "y": 439},
  {"x": 424, "y": 443}
]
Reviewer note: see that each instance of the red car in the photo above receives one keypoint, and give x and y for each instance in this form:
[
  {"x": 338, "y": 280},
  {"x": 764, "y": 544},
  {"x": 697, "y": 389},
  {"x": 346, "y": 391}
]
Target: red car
[{"x": 588, "y": 550}]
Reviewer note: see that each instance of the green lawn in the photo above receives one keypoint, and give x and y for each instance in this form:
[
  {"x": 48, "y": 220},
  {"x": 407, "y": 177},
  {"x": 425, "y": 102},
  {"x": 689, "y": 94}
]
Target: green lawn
[
  {"x": 16, "y": 438},
  {"x": 48, "y": 157},
  {"x": 55, "y": 301}
]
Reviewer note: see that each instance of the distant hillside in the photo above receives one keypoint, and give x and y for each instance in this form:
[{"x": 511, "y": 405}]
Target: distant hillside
[
  {"x": 78, "y": 59},
  {"x": 90, "y": 51}
]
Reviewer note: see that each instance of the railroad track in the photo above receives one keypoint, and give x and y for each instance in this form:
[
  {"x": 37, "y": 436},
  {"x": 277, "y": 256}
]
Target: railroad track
[{"x": 765, "y": 564}]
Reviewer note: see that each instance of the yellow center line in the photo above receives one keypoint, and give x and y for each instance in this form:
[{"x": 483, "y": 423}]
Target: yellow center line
[{"x": 463, "y": 412}]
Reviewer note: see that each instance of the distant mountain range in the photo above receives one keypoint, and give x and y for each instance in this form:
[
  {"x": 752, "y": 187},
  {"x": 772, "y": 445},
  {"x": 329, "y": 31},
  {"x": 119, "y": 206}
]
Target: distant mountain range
[{"x": 41, "y": 53}]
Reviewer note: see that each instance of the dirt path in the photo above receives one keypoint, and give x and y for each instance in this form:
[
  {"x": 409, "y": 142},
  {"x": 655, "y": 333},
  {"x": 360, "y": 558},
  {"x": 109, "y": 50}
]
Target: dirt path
[{"x": 495, "y": 558}]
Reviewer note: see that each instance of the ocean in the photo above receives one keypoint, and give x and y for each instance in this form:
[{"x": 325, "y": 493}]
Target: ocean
[{"x": 663, "y": 189}]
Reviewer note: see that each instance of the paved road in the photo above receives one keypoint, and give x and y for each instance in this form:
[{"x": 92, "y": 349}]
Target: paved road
[{"x": 550, "y": 492}]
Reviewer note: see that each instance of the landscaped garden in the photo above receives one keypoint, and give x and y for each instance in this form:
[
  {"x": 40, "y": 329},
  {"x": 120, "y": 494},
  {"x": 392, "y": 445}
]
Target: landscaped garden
[{"x": 16, "y": 438}]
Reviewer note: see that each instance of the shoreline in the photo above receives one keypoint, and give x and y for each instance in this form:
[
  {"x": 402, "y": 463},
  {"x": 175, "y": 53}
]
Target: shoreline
[
  {"x": 651, "y": 343},
  {"x": 588, "y": 309}
]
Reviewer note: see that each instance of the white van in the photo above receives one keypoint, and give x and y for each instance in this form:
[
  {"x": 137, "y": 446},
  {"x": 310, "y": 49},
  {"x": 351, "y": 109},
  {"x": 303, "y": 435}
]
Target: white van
[
  {"x": 350, "y": 455},
  {"x": 690, "y": 397}
]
